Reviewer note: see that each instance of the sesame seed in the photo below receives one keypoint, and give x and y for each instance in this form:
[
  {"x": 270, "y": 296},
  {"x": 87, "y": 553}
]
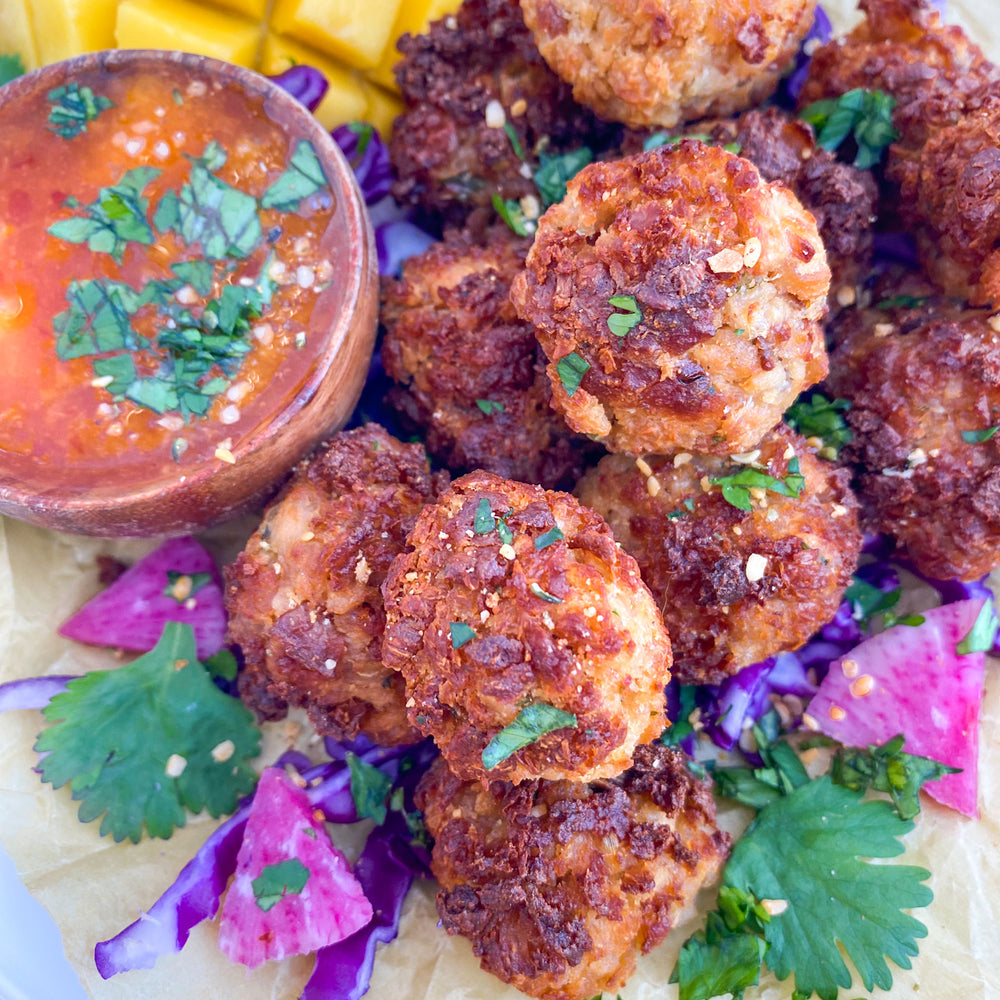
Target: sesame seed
[
  {"x": 809, "y": 722},
  {"x": 849, "y": 668},
  {"x": 507, "y": 551},
  {"x": 186, "y": 295},
  {"x": 221, "y": 752},
  {"x": 225, "y": 455},
  {"x": 495, "y": 115},
  {"x": 175, "y": 765},
  {"x": 161, "y": 150},
  {"x": 863, "y": 685},
  {"x": 789, "y": 453},
  {"x": 756, "y": 567},
  {"x": 883, "y": 329},
  {"x": 653, "y": 486},
  {"x": 362, "y": 571},
  {"x": 727, "y": 261},
  {"x": 994, "y": 322},
  {"x": 774, "y": 906},
  {"x": 531, "y": 206},
  {"x": 751, "y": 251},
  {"x": 837, "y": 713},
  {"x": 737, "y": 530},
  {"x": 102, "y": 381},
  {"x": 838, "y": 510},
  {"x": 846, "y": 296},
  {"x": 305, "y": 276},
  {"x": 746, "y": 457},
  {"x": 230, "y": 414},
  {"x": 135, "y": 146},
  {"x": 411, "y": 576},
  {"x": 681, "y": 458},
  {"x": 643, "y": 466},
  {"x": 519, "y": 107}
]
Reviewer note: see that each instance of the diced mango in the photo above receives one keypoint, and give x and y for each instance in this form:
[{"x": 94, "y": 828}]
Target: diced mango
[
  {"x": 345, "y": 101},
  {"x": 188, "y": 27},
  {"x": 354, "y": 30},
  {"x": 254, "y": 10},
  {"x": 382, "y": 108},
  {"x": 65, "y": 28},
  {"x": 414, "y": 17},
  {"x": 15, "y": 32}
]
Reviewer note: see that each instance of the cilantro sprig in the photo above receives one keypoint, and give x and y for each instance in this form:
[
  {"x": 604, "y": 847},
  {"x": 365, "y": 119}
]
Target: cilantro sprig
[
  {"x": 136, "y": 744},
  {"x": 816, "y": 415},
  {"x": 799, "y": 888},
  {"x": 528, "y": 726},
  {"x": 864, "y": 115},
  {"x": 736, "y": 488}
]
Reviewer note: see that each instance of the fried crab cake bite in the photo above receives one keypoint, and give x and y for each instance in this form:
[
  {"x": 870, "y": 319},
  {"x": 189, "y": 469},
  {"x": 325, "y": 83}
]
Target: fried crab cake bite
[
  {"x": 922, "y": 375},
  {"x": 677, "y": 296},
  {"x": 661, "y": 62},
  {"x": 943, "y": 171},
  {"x": 303, "y": 597},
  {"x": 747, "y": 555},
  {"x": 470, "y": 374},
  {"x": 561, "y": 885},
  {"x": 515, "y": 614},
  {"x": 479, "y": 102}
]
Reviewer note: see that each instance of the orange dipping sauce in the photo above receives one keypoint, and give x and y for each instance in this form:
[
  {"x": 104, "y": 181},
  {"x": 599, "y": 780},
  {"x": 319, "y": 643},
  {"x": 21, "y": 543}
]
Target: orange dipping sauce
[{"x": 166, "y": 253}]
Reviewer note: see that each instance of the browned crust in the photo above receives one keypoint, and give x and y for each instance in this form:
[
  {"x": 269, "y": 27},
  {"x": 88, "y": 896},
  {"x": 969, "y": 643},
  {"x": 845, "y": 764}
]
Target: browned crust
[
  {"x": 561, "y": 885},
  {"x": 598, "y": 650},
  {"x": 303, "y": 597},
  {"x": 452, "y": 339},
  {"x": 719, "y": 354},
  {"x": 693, "y": 549},
  {"x": 917, "y": 378}
]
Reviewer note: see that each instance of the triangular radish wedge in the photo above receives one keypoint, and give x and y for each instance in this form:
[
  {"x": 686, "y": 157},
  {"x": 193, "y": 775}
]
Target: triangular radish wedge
[
  {"x": 912, "y": 680},
  {"x": 293, "y": 891}
]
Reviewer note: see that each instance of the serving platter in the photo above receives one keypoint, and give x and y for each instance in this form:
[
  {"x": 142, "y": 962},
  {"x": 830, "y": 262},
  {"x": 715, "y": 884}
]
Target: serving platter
[{"x": 92, "y": 888}]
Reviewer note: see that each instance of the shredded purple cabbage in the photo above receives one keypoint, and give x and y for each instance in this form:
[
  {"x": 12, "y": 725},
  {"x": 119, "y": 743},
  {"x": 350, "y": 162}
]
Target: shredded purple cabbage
[
  {"x": 305, "y": 83},
  {"x": 197, "y": 892},
  {"x": 368, "y": 156},
  {"x": 33, "y": 692},
  {"x": 819, "y": 34}
]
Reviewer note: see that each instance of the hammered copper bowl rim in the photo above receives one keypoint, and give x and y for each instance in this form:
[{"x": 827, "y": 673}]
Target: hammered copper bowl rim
[{"x": 213, "y": 492}]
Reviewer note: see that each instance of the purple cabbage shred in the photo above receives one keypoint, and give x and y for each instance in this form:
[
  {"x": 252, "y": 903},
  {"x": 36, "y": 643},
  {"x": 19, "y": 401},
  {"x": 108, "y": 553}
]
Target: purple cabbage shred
[
  {"x": 33, "y": 692},
  {"x": 819, "y": 34},
  {"x": 305, "y": 83}
]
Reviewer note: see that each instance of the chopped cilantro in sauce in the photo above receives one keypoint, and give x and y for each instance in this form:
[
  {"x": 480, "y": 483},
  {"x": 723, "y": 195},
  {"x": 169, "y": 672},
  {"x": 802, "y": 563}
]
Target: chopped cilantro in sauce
[{"x": 73, "y": 108}]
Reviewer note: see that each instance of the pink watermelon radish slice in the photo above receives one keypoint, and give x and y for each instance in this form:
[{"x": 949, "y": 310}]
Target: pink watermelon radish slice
[
  {"x": 293, "y": 891},
  {"x": 131, "y": 613},
  {"x": 912, "y": 680}
]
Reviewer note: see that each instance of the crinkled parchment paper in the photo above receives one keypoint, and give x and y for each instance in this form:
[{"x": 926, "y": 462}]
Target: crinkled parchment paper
[{"x": 93, "y": 887}]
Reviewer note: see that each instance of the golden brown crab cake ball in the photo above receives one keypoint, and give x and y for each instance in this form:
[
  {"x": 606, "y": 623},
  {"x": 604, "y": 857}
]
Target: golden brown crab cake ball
[
  {"x": 661, "y": 62},
  {"x": 677, "y": 296},
  {"x": 480, "y": 102},
  {"x": 747, "y": 556},
  {"x": 303, "y": 597},
  {"x": 515, "y": 612},
  {"x": 561, "y": 885},
  {"x": 922, "y": 374},
  {"x": 470, "y": 375}
]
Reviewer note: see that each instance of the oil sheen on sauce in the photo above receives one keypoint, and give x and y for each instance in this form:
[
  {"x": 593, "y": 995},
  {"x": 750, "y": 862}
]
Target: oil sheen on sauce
[{"x": 162, "y": 242}]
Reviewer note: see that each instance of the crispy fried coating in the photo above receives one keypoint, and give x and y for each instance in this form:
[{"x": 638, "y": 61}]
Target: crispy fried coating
[
  {"x": 303, "y": 597},
  {"x": 919, "y": 376},
  {"x": 660, "y": 62},
  {"x": 841, "y": 198},
  {"x": 465, "y": 82},
  {"x": 560, "y": 885},
  {"x": 512, "y": 596},
  {"x": 734, "y": 586},
  {"x": 471, "y": 376},
  {"x": 944, "y": 170},
  {"x": 728, "y": 276}
]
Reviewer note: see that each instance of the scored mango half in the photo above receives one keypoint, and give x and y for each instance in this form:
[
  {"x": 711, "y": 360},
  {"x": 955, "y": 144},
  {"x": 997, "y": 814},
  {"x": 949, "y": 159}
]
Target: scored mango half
[{"x": 353, "y": 42}]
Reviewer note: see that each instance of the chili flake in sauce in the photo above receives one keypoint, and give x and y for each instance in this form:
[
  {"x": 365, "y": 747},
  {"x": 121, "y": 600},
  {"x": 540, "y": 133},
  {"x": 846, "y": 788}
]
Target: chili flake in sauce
[{"x": 163, "y": 242}]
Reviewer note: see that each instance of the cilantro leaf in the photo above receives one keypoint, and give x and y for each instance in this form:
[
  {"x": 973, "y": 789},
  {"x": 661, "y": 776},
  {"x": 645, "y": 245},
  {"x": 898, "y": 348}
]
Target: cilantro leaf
[
  {"x": 11, "y": 67},
  {"x": 554, "y": 172},
  {"x": 511, "y": 212},
  {"x": 712, "y": 968},
  {"x": 736, "y": 488},
  {"x": 302, "y": 178},
  {"x": 544, "y": 594},
  {"x": 529, "y": 725},
  {"x": 135, "y": 744},
  {"x": 490, "y": 406},
  {"x": 806, "y": 849},
  {"x": 483, "y": 521},
  {"x": 983, "y": 632},
  {"x": 571, "y": 370},
  {"x": 370, "y": 789},
  {"x": 865, "y": 115},
  {"x": 888, "y": 769},
  {"x": 978, "y": 437},
  {"x": 620, "y": 323},
  {"x": 553, "y": 535},
  {"x": 73, "y": 108},
  {"x": 99, "y": 319},
  {"x": 817, "y": 416},
  {"x": 208, "y": 212},
  {"x": 284, "y": 878},
  {"x": 460, "y": 634}
]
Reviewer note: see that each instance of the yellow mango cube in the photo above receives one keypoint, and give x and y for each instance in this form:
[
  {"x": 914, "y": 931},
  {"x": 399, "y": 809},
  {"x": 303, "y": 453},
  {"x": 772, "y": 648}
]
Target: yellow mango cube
[
  {"x": 413, "y": 18},
  {"x": 382, "y": 108},
  {"x": 345, "y": 101},
  {"x": 65, "y": 28},
  {"x": 356, "y": 31},
  {"x": 187, "y": 27},
  {"x": 254, "y": 10},
  {"x": 16, "y": 37}
]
